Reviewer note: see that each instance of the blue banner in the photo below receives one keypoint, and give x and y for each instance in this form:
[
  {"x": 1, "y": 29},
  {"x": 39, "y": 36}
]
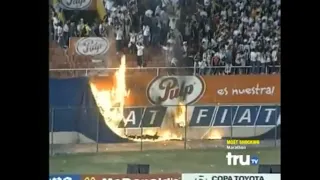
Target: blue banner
[{"x": 268, "y": 115}]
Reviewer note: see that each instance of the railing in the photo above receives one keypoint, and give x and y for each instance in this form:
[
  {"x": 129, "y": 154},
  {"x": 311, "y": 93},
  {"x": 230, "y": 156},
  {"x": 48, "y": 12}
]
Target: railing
[
  {"x": 220, "y": 70},
  {"x": 83, "y": 129}
]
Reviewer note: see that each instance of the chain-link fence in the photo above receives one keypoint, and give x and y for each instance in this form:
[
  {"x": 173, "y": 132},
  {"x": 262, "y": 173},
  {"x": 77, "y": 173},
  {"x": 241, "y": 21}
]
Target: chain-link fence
[{"x": 83, "y": 129}]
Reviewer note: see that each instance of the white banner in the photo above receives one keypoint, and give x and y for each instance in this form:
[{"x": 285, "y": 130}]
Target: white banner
[{"x": 229, "y": 176}]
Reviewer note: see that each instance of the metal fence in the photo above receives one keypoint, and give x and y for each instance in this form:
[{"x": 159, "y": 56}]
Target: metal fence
[
  {"x": 167, "y": 70},
  {"x": 70, "y": 127}
]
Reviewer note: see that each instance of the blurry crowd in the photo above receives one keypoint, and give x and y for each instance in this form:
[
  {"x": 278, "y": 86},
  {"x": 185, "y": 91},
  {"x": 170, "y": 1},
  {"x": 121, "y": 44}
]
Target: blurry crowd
[{"x": 213, "y": 36}]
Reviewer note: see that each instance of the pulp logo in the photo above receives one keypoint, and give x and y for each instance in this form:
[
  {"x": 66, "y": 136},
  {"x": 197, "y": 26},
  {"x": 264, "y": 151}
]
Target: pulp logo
[
  {"x": 235, "y": 159},
  {"x": 75, "y": 4},
  {"x": 172, "y": 90},
  {"x": 92, "y": 46}
]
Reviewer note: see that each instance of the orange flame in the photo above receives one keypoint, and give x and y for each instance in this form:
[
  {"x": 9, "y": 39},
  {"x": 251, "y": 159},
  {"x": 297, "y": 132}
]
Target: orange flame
[{"x": 111, "y": 104}]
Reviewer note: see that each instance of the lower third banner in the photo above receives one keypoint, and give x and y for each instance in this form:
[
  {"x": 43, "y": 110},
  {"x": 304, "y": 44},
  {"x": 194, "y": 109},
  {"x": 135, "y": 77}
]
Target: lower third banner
[
  {"x": 64, "y": 177},
  {"x": 229, "y": 176}
]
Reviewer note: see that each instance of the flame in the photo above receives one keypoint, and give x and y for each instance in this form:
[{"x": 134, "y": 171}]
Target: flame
[
  {"x": 180, "y": 115},
  {"x": 111, "y": 104},
  {"x": 214, "y": 135},
  {"x": 111, "y": 101}
]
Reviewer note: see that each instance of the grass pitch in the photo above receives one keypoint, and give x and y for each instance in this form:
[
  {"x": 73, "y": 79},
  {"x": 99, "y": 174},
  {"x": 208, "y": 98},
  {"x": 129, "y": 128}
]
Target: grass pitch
[{"x": 169, "y": 161}]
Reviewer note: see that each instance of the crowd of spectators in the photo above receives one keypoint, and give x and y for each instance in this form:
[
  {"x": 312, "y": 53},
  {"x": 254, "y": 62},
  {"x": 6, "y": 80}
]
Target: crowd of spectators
[{"x": 214, "y": 36}]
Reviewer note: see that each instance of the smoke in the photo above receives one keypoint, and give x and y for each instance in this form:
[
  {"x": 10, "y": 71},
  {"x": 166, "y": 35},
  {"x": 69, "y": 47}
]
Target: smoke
[{"x": 177, "y": 50}]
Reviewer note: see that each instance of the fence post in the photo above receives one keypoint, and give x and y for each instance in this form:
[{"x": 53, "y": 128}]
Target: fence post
[
  {"x": 185, "y": 127},
  {"x": 141, "y": 130},
  {"x": 157, "y": 71},
  {"x": 97, "y": 138},
  {"x": 51, "y": 130},
  {"x": 231, "y": 132},
  {"x": 275, "y": 128}
]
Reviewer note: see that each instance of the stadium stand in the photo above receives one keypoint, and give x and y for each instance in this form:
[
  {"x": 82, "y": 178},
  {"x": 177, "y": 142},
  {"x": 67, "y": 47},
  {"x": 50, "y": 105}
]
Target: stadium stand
[{"x": 216, "y": 37}]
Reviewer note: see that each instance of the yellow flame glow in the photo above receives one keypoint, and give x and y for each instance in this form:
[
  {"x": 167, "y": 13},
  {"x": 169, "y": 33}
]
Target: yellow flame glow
[
  {"x": 111, "y": 104},
  {"x": 180, "y": 116},
  {"x": 214, "y": 135}
]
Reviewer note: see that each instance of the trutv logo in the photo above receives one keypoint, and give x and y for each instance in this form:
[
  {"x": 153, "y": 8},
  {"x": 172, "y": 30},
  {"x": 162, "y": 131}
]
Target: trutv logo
[{"x": 248, "y": 160}]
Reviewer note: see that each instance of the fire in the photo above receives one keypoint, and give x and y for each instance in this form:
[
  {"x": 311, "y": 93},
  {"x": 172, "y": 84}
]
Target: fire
[
  {"x": 111, "y": 104},
  {"x": 213, "y": 134},
  {"x": 180, "y": 115},
  {"x": 111, "y": 101}
]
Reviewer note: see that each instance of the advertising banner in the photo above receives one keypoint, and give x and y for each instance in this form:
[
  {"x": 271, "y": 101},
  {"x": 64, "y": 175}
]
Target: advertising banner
[
  {"x": 78, "y": 4},
  {"x": 64, "y": 177},
  {"x": 149, "y": 90},
  {"x": 230, "y": 176},
  {"x": 89, "y": 46},
  {"x": 132, "y": 177}
]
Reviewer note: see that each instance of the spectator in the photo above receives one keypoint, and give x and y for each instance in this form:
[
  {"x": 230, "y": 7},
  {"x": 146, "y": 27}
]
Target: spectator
[
  {"x": 253, "y": 61},
  {"x": 60, "y": 35},
  {"x": 132, "y": 42},
  {"x": 227, "y": 33},
  {"x": 66, "y": 34},
  {"x": 140, "y": 49},
  {"x": 228, "y": 61},
  {"x": 119, "y": 35}
]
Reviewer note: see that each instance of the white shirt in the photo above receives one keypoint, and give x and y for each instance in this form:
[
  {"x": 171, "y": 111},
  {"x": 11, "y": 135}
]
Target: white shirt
[
  {"x": 140, "y": 50},
  {"x": 240, "y": 27},
  {"x": 172, "y": 23},
  {"x": 119, "y": 35},
  {"x": 245, "y": 19},
  {"x": 79, "y": 27},
  {"x": 108, "y": 5},
  {"x": 274, "y": 55},
  {"x": 204, "y": 56},
  {"x": 206, "y": 2},
  {"x": 258, "y": 56},
  {"x": 267, "y": 58},
  {"x": 250, "y": 20},
  {"x": 187, "y": 29},
  {"x": 132, "y": 37},
  {"x": 55, "y": 21},
  {"x": 158, "y": 10},
  {"x": 253, "y": 44},
  {"x": 209, "y": 56},
  {"x": 166, "y": 48},
  {"x": 202, "y": 64},
  {"x": 174, "y": 61},
  {"x": 65, "y": 28},
  {"x": 263, "y": 58},
  {"x": 146, "y": 31},
  {"x": 213, "y": 43},
  {"x": 221, "y": 54},
  {"x": 59, "y": 30},
  {"x": 205, "y": 43},
  {"x": 223, "y": 13},
  {"x": 140, "y": 38},
  {"x": 241, "y": 6},
  {"x": 264, "y": 26},
  {"x": 253, "y": 56},
  {"x": 257, "y": 27},
  {"x": 238, "y": 59},
  {"x": 101, "y": 28}
]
